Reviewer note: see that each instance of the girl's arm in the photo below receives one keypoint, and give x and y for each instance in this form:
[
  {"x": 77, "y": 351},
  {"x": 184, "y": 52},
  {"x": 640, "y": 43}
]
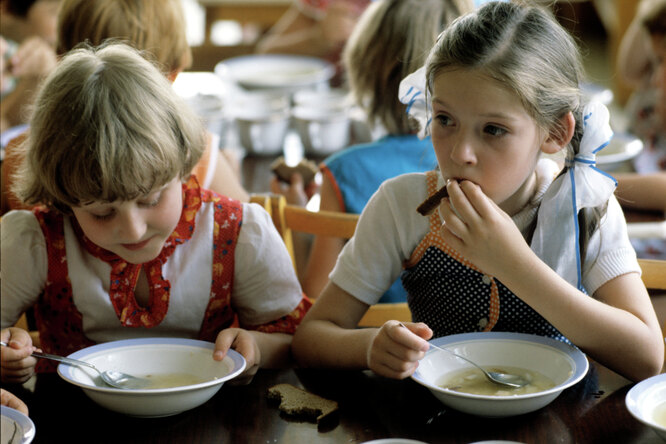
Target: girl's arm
[
  {"x": 328, "y": 337},
  {"x": 260, "y": 350},
  {"x": 617, "y": 327},
  {"x": 642, "y": 191}
]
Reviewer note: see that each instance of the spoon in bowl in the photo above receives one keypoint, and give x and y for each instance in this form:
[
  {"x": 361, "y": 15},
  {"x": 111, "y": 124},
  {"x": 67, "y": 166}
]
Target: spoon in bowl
[
  {"x": 113, "y": 378},
  {"x": 505, "y": 379}
]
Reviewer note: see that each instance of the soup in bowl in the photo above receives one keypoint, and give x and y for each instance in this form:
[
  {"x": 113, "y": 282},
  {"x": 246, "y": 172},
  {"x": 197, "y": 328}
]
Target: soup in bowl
[
  {"x": 182, "y": 374},
  {"x": 549, "y": 365}
]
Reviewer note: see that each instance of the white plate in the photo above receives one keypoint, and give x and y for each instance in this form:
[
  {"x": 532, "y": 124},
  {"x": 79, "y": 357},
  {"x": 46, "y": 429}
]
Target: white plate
[
  {"x": 622, "y": 147},
  {"x": 644, "y": 397},
  {"x": 16, "y": 428},
  {"x": 275, "y": 71}
]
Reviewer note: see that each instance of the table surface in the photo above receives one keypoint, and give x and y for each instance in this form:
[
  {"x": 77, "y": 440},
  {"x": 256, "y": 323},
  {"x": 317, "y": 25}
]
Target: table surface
[{"x": 370, "y": 407}]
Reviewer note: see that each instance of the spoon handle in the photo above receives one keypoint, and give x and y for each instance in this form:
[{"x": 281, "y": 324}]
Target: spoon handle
[
  {"x": 69, "y": 361},
  {"x": 458, "y": 356}
]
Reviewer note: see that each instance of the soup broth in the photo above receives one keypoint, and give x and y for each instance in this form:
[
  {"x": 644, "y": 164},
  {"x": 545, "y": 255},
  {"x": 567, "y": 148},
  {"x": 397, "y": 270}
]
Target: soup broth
[
  {"x": 474, "y": 382},
  {"x": 659, "y": 414},
  {"x": 169, "y": 380}
]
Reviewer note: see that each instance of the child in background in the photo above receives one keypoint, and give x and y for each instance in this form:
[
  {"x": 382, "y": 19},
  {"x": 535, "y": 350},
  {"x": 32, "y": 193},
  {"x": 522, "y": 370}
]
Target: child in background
[
  {"x": 157, "y": 27},
  {"x": 642, "y": 64},
  {"x": 391, "y": 40},
  {"x": 314, "y": 28},
  {"x": 130, "y": 245},
  {"x": 28, "y": 28},
  {"x": 500, "y": 252}
]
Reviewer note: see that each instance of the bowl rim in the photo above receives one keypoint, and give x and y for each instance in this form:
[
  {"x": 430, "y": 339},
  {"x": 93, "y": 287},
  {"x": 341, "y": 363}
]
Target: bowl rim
[
  {"x": 578, "y": 357},
  {"x": 229, "y": 67},
  {"x": 23, "y": 420},
  {"x": 633, "y": 146},
  {"x": 65, "y": 370},
  {"x": 632, "y": 397}
]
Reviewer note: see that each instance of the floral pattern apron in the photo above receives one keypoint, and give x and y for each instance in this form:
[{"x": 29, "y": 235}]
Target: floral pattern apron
[{"x": 59, "y": 321}]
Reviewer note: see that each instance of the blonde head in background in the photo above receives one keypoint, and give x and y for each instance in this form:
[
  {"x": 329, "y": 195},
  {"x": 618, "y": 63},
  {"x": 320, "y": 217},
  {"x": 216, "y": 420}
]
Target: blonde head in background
[
  {"x": 390, "y": 41},
  {"x": 155, "y": 26}
]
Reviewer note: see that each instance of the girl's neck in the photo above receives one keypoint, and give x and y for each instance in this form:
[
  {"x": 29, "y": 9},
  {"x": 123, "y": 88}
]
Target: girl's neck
[{"x": 521, "y": 197}]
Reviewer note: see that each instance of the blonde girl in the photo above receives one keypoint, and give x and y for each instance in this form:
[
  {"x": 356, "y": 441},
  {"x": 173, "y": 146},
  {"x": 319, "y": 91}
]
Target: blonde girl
[
  {"x": 130, "y": 245},
  {"x": 512, "y": 248}
]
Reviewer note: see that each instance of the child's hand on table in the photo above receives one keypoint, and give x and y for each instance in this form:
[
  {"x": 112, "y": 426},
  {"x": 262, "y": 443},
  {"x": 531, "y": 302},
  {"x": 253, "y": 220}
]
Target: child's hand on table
[
  {"x": 244, "y": 343},
  {"x": 15, "y": 361},
  {"x": 395, "y": 351}
]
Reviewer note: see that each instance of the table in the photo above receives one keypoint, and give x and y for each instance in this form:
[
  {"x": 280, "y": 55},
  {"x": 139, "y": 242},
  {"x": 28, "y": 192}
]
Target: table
[{"x": 371, "y": 407}]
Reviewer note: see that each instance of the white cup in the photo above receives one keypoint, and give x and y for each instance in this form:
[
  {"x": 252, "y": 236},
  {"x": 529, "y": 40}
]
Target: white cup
[
  {"x": 262, "y": 120},
  {"x": 329, "y": 99},
  {"x": 322, "y": 131}
]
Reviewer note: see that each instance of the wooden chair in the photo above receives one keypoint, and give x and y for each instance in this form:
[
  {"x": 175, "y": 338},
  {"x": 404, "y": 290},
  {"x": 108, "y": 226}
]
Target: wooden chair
[
  {"x": 654, "y": 273},
  {"x": 291, "y": 219}
]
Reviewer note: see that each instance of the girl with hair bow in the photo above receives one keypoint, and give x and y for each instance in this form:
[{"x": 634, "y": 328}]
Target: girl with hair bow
[{"x": 518, "y": 245}]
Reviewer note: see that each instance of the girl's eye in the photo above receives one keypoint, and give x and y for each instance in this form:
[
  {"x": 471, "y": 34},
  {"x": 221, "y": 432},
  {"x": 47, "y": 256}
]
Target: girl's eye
[
  {"x": 444, "y": 120},
  {"x": 103, "y": 217},
  {"x": 151, "y": 202},
  {"x": 494, "y": 130}
]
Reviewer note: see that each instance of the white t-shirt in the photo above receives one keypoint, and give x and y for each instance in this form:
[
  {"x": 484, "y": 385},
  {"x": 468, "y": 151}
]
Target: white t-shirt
[
  {"x": 390, "y": 228},
  {"x": 265, "y": 285}
]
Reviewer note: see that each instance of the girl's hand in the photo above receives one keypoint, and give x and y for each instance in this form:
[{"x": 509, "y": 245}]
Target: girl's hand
[
  {"x": 16, "y": 364},
  {"x": 244, "y": 343},
  {"x": 35, "y": 58},
  {"x": 395, "y": 351},
  {"x": 479, "y": 230},
  {"x": 339, "y": 22},
  {"x": 11, "y": 400},
  {"x": 296, "y": 192}
]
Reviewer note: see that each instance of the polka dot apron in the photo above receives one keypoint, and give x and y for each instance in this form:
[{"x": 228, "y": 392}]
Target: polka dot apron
[
  {"x": 60, "y": 322},
  {"x": 452, "y": 296}
]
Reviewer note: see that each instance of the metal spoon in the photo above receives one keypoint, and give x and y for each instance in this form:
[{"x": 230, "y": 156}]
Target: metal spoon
[
  {"x": 113, "y": 378},
  {"x": 504, "y": 379}
]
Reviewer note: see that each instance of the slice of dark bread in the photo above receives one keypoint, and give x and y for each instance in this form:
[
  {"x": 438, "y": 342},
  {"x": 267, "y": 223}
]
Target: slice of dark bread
[
  {"x": 306, "y": 168},
  {"x": 300, "y": 403},
  {"x": 431, "y": 203}
]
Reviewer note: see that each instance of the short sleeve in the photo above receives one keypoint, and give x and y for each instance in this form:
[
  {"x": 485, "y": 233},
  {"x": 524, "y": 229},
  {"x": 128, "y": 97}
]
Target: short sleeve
[
  {"x": 265, "y": 283},
  {"x": 609, "y": 252},
  {"x": 388, "y": 231},
  {"x": 23, "y": 264}
]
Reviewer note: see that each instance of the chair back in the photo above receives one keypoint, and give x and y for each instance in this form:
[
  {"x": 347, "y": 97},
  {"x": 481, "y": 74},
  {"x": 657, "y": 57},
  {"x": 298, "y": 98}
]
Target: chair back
[
  {"x": 654, "y": 273},
  {"x": 291, "y": 219}
]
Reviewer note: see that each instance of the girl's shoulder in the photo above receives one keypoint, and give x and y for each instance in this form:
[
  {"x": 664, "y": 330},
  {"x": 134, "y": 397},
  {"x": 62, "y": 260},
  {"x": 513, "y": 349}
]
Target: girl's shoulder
[{"x": 19, "y": 224}]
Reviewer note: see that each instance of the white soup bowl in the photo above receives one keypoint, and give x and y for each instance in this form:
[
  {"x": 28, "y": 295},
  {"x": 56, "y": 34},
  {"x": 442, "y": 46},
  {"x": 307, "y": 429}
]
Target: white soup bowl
[
  {"x": 153, "y": 356},
  {"x": 563, "y": 364}
]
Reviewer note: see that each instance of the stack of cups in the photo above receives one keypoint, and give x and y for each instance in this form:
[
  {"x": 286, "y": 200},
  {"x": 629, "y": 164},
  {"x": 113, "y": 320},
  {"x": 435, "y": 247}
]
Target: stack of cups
[{"x": 322, "y": 120}]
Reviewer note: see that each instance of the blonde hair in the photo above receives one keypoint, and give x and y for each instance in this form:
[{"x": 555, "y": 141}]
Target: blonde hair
[
  {"x": 106, "y": 126},
  {"x": 527, "y": 50},
  {"x": 156, "y": 26},
  {"x": 390, "y": 41}
]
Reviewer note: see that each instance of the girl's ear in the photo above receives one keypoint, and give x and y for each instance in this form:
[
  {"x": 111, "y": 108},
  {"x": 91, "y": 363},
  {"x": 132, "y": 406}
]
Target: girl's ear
[{"x": 559, "y": 139}]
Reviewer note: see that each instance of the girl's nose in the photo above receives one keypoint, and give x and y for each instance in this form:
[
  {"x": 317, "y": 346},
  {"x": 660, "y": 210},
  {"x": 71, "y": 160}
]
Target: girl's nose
[
  {"x": 462, "y": 152},
  {"x": 132, "y": 226}
]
